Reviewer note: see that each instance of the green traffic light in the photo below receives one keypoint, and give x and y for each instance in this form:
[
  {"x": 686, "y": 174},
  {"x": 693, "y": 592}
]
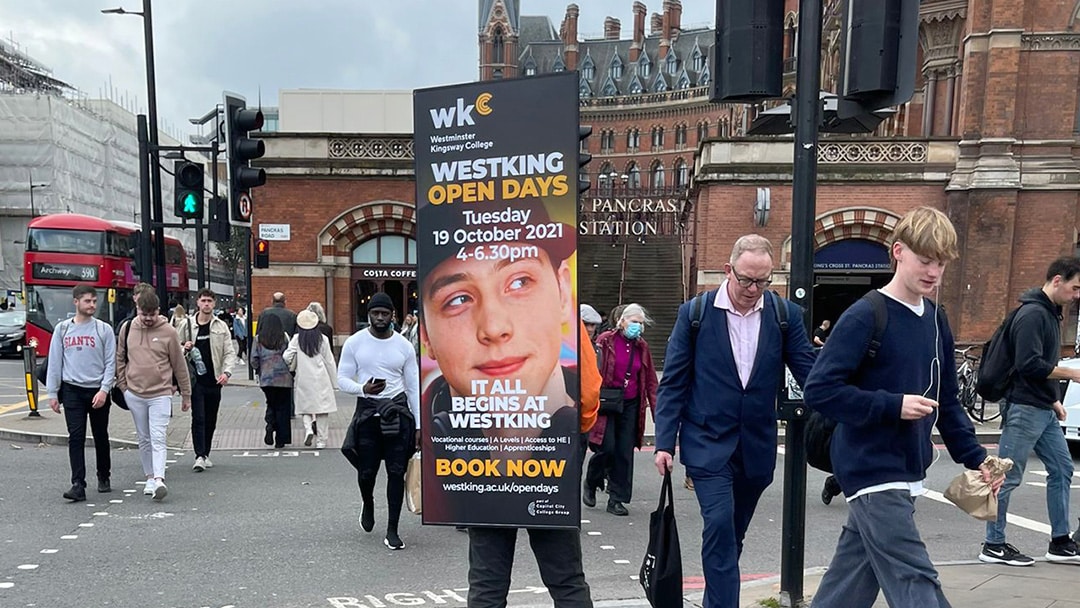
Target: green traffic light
[{"x": 190, "y": 204}]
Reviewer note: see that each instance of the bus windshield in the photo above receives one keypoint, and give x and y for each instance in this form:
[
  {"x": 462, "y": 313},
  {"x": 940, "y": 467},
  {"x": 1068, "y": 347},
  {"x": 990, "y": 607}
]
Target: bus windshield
[{"x": 47, "y": 306}]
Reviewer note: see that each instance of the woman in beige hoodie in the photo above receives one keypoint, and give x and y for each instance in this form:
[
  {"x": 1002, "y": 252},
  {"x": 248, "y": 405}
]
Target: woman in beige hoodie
[{"x": 148, "y": 357}]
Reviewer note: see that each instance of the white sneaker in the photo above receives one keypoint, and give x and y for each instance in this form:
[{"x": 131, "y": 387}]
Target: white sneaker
[
  {"x": 206, "y": 463},
  {"x": 200, "y": 465},
  {"x": 148, "y": 489},
  {"x": 160, "y": 491},
  {"x": 320, "y": 444}
]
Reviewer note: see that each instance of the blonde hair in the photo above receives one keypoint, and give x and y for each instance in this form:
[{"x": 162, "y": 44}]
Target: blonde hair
[
  {"x": 317, "y": 308},
  {"x": 928, "y": 232},
  {"x": 750, "y": 242},
  {"x": 179, "y": 311}
]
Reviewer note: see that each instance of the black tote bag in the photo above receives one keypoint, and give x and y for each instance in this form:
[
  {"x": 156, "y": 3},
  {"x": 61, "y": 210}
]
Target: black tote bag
[{"x": 661, "y": 570}]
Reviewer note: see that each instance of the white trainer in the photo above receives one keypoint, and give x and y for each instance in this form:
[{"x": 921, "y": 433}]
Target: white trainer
[
  {"x": 206, "y": 462},
  {"x": 160, "y": 491},
  {"x": 200, "y": 465},
  {"x": 148, "y": 489}
]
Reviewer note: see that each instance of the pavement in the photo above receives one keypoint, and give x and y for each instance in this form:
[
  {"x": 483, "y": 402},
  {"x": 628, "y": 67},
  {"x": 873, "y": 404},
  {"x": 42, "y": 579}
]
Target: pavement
[{"x": 240, "y": 427}]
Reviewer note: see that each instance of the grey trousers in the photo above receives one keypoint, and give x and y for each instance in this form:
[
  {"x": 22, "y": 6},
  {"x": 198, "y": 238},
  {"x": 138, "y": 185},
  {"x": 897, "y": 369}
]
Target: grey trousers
[{"x": 880, "y": 549}]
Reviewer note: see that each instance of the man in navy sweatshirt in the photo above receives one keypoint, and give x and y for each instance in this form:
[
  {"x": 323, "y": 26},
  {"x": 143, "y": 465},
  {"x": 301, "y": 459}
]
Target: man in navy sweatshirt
[
  {"x": 886, "y": 407},
  {"x": 1032, "y": 411}
]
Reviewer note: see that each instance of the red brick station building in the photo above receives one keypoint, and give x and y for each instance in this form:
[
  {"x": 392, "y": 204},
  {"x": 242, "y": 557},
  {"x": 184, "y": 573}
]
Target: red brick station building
[{"x": 992, "y": 137}]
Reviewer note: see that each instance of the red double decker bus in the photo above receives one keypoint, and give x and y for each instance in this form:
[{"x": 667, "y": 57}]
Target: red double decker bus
[{"x": 63, "y": 250}]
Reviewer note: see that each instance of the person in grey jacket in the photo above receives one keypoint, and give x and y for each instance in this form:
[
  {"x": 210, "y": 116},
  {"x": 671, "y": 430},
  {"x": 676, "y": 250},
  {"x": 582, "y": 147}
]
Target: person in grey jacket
[{"x": 82, "y": 369}]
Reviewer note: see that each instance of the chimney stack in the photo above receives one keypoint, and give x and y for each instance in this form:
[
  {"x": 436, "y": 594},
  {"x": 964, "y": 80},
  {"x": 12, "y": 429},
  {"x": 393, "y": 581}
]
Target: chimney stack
[
  {"x": 570, "y": 39},
  {"x": 656, "y": 25},
  {"x": 639, "y": 31},
  {"x": 673, "y": 13},
  {"x": 612, "y": 28}
]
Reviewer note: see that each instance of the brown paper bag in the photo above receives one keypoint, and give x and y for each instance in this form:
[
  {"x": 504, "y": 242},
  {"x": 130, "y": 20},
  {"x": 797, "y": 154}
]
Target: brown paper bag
[
  {"x": 969, "y": 492},
  {"x": 412, "y": 484}
]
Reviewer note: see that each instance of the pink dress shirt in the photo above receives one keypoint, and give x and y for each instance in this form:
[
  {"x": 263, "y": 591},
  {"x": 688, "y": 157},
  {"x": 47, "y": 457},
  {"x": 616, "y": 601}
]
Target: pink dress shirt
[{"x": 743, "y": 330}]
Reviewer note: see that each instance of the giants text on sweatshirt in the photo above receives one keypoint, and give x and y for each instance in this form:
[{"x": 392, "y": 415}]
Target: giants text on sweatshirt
[{"x": 83, "y": 354}]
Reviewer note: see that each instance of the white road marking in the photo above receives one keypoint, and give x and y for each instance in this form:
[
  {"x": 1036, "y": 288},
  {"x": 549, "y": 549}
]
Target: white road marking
[
  {"x": 1011, "y": 519},
  {"x": 50, "y": 551},
  {"x": 28, "y": 567},
  {"x": 607, "y": 547},
  {"x": 6, "y": 585},
  {"x": 86, "y": 525},
  {"x": 594, "y": 533},
  {"x": 101, "y": 513},
  {"x": 1042, "y": 484},
  {"x": 116, "y": 501},
  {"x": 621, "y": 561},
  {"x": 69, "y": 537}
]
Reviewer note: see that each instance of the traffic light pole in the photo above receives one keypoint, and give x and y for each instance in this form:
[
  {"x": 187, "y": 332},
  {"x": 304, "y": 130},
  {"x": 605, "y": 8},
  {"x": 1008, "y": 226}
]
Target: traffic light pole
[
  {"x": 250, "y": 302},
  {"x": 807, "y": 118},
  {"x": 158, "y": 214},
  {"x": 146, "y": 220}
]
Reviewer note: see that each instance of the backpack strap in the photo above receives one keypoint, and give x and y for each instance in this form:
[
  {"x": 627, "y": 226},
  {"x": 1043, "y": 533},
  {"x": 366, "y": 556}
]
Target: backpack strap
[
  {"x": 780, "y": 309},
  {"x": 697, "y": 315},
  {"x": 881, "y": 321}
]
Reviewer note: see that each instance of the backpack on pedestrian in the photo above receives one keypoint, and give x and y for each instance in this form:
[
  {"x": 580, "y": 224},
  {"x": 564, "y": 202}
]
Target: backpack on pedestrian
[
  {"x": 996, "y": 366},
  {"x": 819, "y": 427}
]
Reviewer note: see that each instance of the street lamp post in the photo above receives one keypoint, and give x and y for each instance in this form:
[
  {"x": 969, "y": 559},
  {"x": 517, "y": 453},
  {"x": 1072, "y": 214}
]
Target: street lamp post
[
  {"x": 156, "y": 218},
  {"x": 33, "y": 211}
]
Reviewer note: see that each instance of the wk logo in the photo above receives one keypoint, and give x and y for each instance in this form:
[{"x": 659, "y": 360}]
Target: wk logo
[{"x": 461, "y": 115}]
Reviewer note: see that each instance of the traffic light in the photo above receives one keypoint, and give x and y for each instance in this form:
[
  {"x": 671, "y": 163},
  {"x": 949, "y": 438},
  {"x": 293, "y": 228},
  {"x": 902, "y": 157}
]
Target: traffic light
[
  {"x": 748, "y": 63},
  {"x": 188, "y": 189},
  {"x": 583, "y": 159},
  {"x": 262, "y": 253},
  {"x": 878, "y": 54},
  {"x": 239, "y": 121},
  {"x": 219, "y": 230}
]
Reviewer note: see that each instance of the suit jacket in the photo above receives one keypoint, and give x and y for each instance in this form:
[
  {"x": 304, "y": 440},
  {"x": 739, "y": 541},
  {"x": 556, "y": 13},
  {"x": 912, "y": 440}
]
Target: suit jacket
[{"x": 702, "y": 401}]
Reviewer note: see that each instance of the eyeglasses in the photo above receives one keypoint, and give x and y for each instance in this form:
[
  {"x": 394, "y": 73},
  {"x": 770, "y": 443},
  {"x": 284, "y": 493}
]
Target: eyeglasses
[{"x": 747, "y": 282}]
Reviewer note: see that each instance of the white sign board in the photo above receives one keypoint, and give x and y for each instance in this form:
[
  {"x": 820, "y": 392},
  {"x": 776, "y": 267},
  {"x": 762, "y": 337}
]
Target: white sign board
[{"x": 274, "y": 232}]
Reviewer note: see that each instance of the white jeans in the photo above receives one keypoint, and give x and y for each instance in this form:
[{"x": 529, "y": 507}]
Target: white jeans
[
  {"x": 151, "y": 418},
  {"x": 320, "y": 428}
]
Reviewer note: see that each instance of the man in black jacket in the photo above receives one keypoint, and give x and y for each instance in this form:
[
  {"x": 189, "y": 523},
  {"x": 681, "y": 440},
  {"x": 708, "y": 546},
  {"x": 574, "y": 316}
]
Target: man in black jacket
[{"x": 1033, "y": 411}]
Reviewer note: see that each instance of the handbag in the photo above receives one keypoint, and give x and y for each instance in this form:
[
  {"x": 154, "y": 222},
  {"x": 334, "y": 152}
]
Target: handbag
[
  {"x": 611, "y": 398},
  {"x": 661, "y": 569},
  {"x": 412, "y": 485}
]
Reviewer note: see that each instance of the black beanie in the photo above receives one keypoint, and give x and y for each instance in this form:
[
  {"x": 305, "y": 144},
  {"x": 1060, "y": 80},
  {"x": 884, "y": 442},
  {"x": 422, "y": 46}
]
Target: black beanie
[{"x": 380, "y": 300}]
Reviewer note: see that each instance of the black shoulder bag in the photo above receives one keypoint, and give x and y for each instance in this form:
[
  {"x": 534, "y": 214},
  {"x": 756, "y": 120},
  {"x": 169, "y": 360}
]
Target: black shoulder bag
[{"x": 611, "y": 397}]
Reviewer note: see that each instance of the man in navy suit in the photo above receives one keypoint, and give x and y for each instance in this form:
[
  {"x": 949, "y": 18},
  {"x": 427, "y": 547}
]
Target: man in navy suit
[{"x": 719, "y": 397}]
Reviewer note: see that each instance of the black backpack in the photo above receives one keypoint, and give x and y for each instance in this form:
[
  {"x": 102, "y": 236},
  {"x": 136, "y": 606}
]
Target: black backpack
[
  {"x": 819, "y": 427},
  {"x": 996, "y": 367}
]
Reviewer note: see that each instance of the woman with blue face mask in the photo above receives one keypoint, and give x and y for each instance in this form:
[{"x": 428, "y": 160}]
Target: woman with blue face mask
[{"x": 625, "y": 363}]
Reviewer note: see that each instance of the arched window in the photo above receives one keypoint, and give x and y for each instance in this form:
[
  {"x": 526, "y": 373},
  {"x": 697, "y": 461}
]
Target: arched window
[
  {"x": 682, "y": 173},
  {"x": 633, "y": 139},
  {"x": 498, "y": 44},
  {"x": 658, "y": 137},
  {"x": 699, "y": 60},
  {"x": 658, "y": 175},
  {"x": 588, "y": 68},
  {"x": 702, "y": 130},
  {"x": 680, "y": 136},
  {"x": 633, "y": 176},
  {"x": 387, "y": 249}
]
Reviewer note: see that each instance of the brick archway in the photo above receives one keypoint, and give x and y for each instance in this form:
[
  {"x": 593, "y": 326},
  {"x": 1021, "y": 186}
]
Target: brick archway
[
  {"x": 848, "y": 223},
  {"x": 343, "y": 233}
]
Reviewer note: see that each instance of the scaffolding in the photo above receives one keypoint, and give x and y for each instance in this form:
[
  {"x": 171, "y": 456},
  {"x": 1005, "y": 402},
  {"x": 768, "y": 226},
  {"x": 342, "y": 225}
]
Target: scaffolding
[{"x": 20, "y": 73}]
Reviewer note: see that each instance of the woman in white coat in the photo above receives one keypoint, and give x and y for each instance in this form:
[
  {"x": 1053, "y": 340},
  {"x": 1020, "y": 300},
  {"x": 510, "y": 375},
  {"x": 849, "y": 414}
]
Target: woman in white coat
[{"x": 310, "y": 356}]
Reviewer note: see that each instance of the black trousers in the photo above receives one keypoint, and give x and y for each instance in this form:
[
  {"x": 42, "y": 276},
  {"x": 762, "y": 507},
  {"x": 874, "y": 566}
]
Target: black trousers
[
  {"x": 558, "y": 555},
  {"x": 277, "y": 413},
  {"x": 615, "y": 458},
  {"x": 77, "y": 408},
  {"x": 375, "y": 447},
  {"x": 205, "y": 403}
]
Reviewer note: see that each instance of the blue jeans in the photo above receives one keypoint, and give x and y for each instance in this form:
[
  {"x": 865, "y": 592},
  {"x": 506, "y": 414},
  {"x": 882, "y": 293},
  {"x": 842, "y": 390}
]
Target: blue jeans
[{"x": 1030, "y": 428}]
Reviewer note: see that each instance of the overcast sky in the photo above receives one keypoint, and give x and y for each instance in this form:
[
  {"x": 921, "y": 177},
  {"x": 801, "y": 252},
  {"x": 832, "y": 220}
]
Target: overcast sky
[{"x": 285, "y": 44}]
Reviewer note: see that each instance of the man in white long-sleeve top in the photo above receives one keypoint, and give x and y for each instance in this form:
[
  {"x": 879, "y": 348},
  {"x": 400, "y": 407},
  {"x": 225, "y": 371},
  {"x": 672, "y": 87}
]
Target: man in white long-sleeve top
[{"x": 379, "y": 366}]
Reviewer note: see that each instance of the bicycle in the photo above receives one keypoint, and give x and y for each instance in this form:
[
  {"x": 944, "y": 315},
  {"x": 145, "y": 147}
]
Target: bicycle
[{"x": 967, "y": 375}]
